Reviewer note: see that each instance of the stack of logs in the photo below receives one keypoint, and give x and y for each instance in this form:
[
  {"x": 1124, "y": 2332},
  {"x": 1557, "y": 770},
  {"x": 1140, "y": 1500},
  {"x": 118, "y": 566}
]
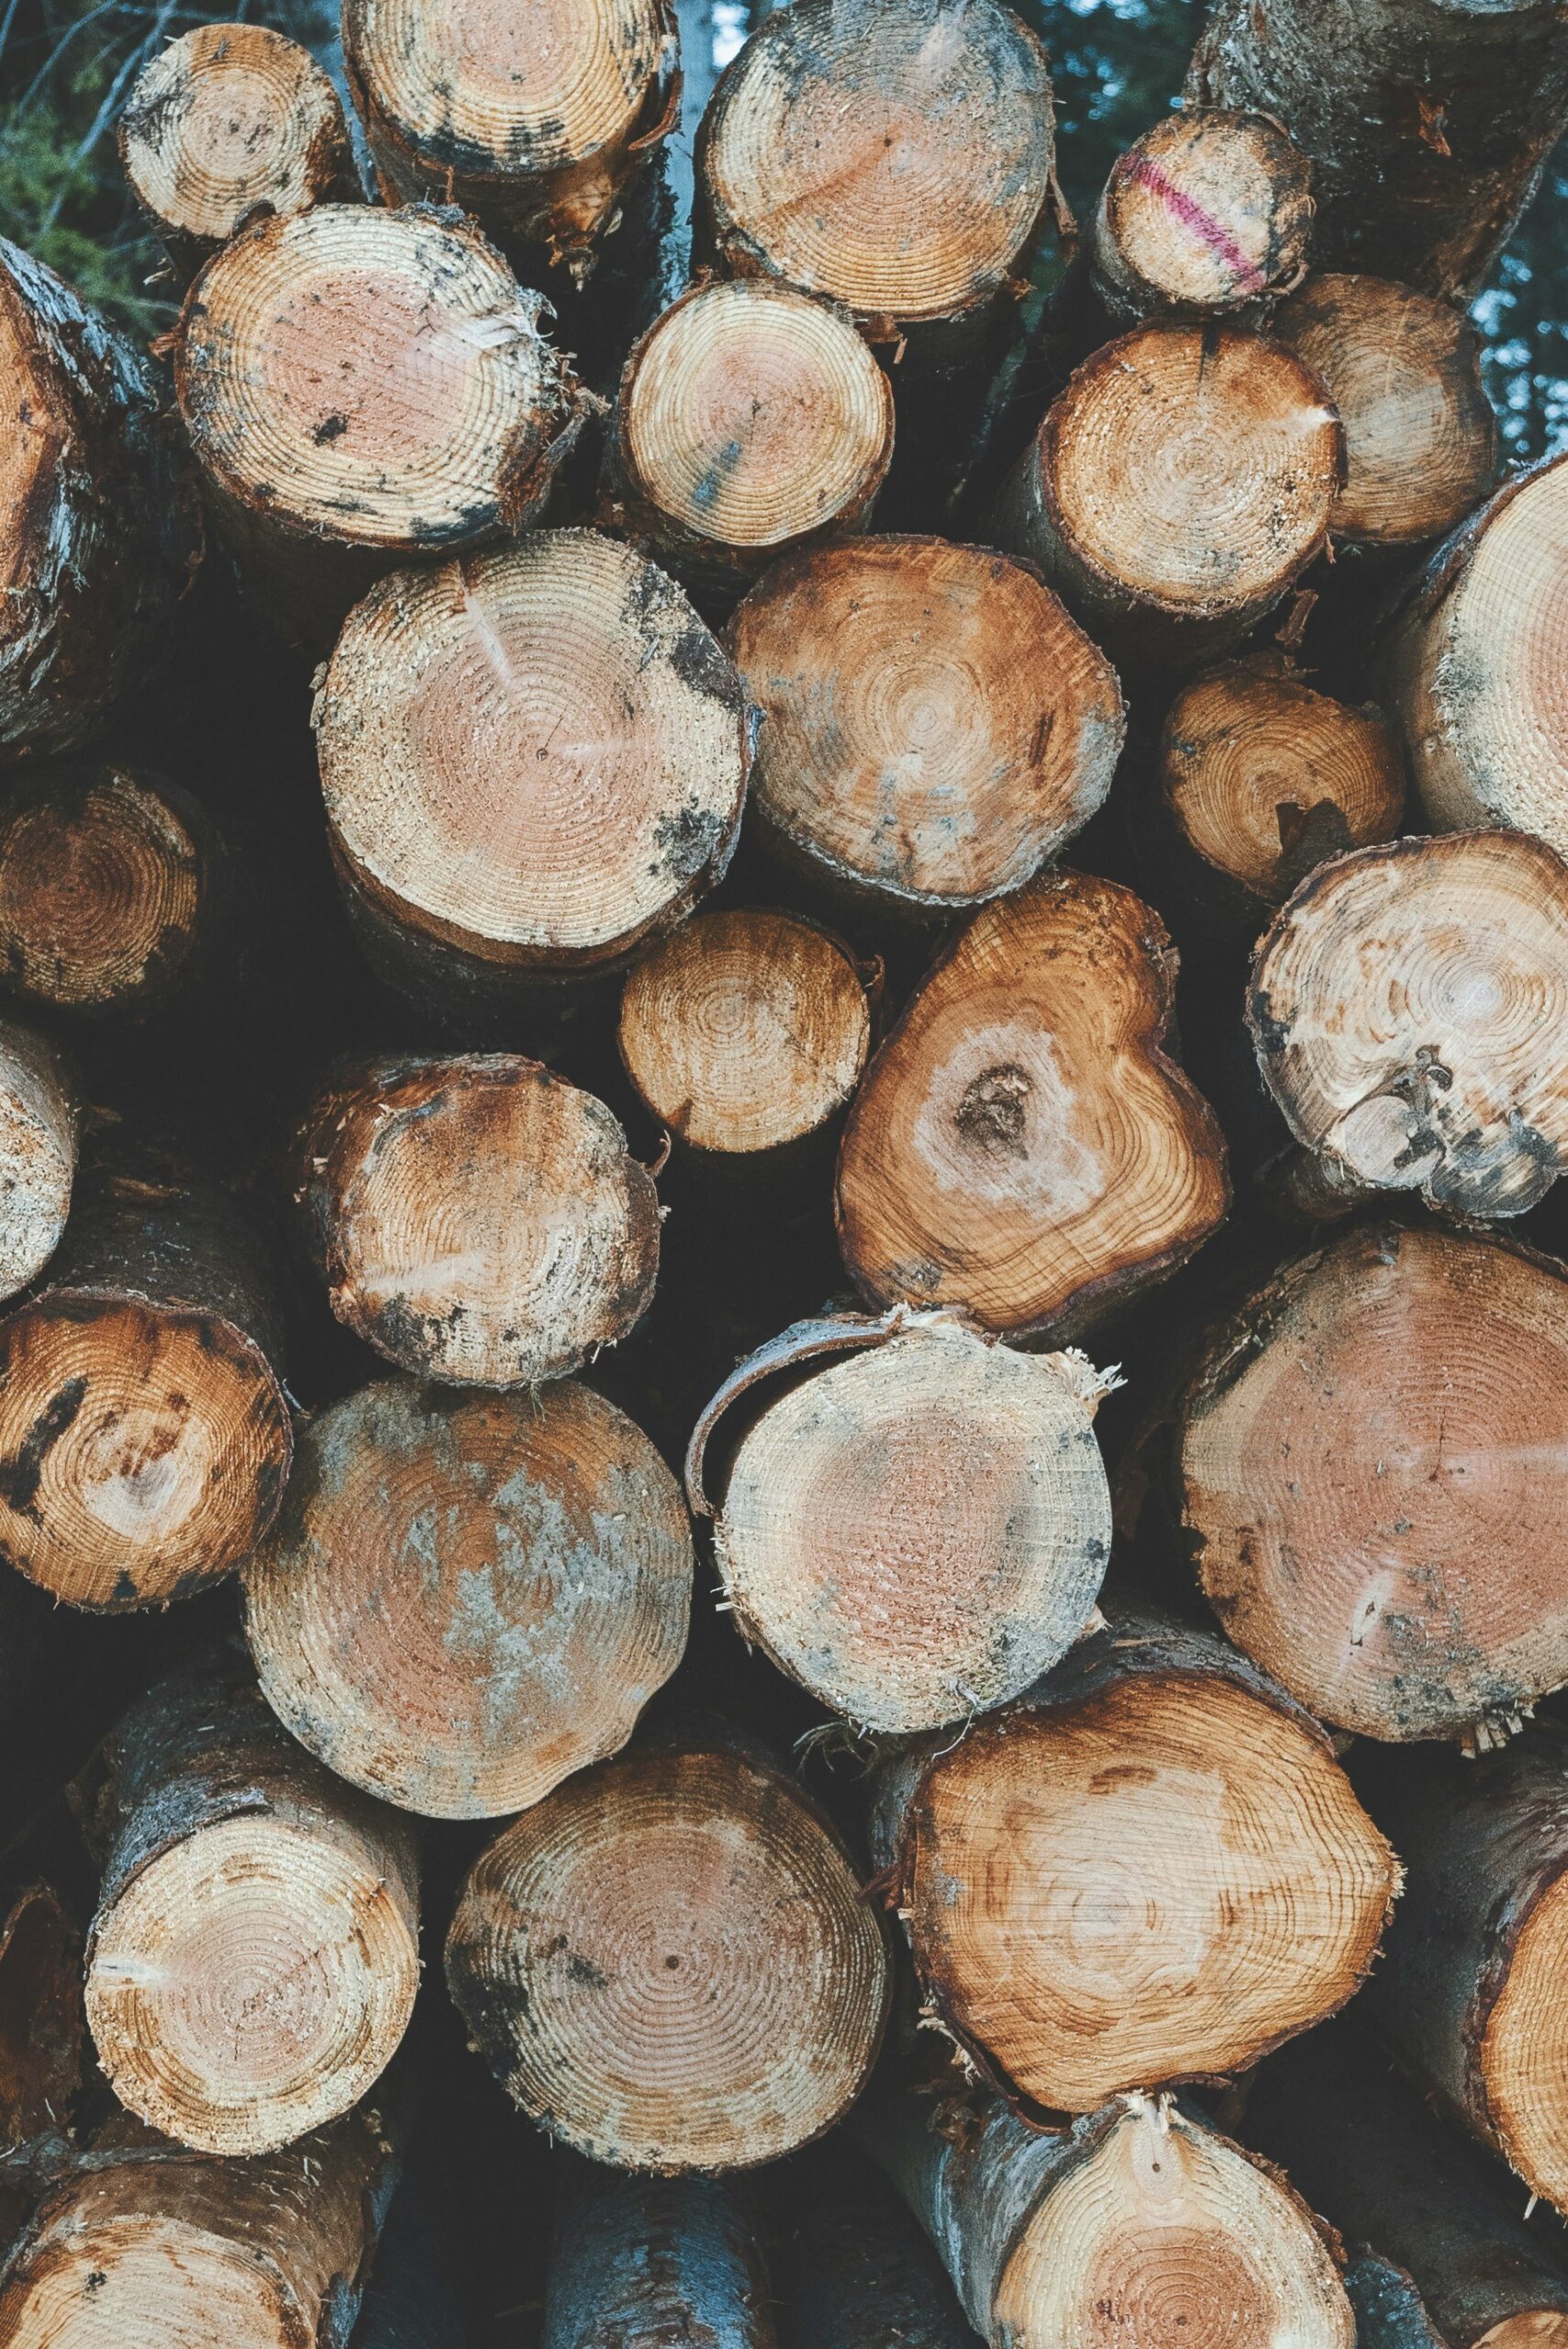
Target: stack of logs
[{"x": 554, "y": 1075}]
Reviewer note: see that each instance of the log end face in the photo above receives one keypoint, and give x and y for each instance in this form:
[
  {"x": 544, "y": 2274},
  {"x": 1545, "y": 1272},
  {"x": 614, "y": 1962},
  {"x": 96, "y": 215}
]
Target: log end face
[
  {"x": 145, "y": 2275},
  {"x": 1208, "y": 212}
]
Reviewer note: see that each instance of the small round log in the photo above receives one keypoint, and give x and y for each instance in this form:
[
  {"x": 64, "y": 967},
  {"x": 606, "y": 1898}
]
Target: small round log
[
  {"x": 1471, "y": 667},
  {"x": 98, "y": 518},
  {"x": 1208, "y": 213},
  {"x": 1264, "y": 777},
  {"x": 252, "y": 1964},
  {"x": 936, "y": 726},
  {"x": 745, "y": 1033},
  {"x": 643, "y": 2260},
  {"x": 476, "y": 1218},
  {"x": 1373, "y": 1485},
  {"x": 1021, "y": 1145},
  {"x": 145, "y": 1438},
  {"x": 467, "y": 1598},
  {"x": 1177, "y": 486},
  {"x": 105, "y": 883},
  {"x": 228, "y": 121},
  {"x": 362, "y": 387},
  {"x": 1409, "y": 1009},
  {"x": 1369, "y": 2153},
  {"x": 917, "y": 1531},
  {"x": 1137, "y": 2224},
  {"x": 668, "y": 1961},
  {"x": 40, "y": 1132},
  {"x": 535, "y": 120},
  {"x": 169, "y": 2247},
  {"x": 1404, "y": 369},
  {"x": 1469, "y": 1994},
  {"x": 1150, "y": 1870},
  {"x": 900, "y": 162},
  {"x": 533, "y": 760},
  {"x": 752, "y": 419}
]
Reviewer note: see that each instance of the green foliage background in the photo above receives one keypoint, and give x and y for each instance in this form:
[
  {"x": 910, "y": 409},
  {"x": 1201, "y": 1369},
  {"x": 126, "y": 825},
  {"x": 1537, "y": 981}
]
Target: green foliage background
[{"x": 66, "y": 66}]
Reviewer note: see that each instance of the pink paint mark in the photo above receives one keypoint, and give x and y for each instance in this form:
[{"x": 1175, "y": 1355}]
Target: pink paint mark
[{"x": 1249, "y": 279}]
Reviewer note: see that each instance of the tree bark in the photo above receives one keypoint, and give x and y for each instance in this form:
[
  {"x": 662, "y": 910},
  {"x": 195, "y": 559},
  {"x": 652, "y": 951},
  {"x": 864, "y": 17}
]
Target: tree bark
[
  {"x": 1470, "y": 666},
  {"x": 1409, "y": 1010},
  {"x": 1468, "y": 1993},
  {"x": 1133, "y": 2221},
  {"x": 935, "y": 728},
  {"x": 644, "y": 2260},
  {"x": 42, "y": 2029},
  {"x": 1404, "y": 369},
  {"x": 168, "y": 2245},
  {"x": 858, "y": 2273},
  {"x": 1264, "y": 777},
  {"x": 363, "y": 387},
  {"x": 917, "y": 1532},
  {"x": 745, "y": 1034},
  {"x": 900, "y": 162},
  {"x": 1369, "y": 2155},
  {"x": 1208, "y": 213},
  {"x": 475, "y": 1219},
  {"x": 105, "y": 881},
  {"x": 97, "y": 515},
  {"x": 1022, "y": 1146},
  {"x": 252, "y": 1964},
  {"x": 1371, "y": 1481},
  {"x": 1427, "y": 121},
  {"x": 1148, "y": 1871},
  {"x": 752, "y": 422},
  {"x": 534, "y": 760},
  {"x": 1177, "y": 487},
  {"x": 40, "y": 1122},
  {"x": 1389, "y": 2312},
  {"x": 668, "y": 1961},
  {"x": 535, "y": 123},
  {"x": 225, "y": 122},
  {"x": 467, "y": 1598},
  {"x": 145, "y": 1438}
]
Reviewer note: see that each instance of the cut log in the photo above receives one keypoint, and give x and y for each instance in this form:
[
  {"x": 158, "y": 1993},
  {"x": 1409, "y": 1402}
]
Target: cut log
[
  {"x": 98, "y": 520},
  {"x": 166, "y": 2246},
  {"x": 39, "y": 1130},
  {"x": 1021, "y": 1145},
  {"x": 533, "y": 760},
  {"x": 916, "y": 1532},
  {"x": 752, "y": 419},
  {"x": 1473, "y": 667},
  {"x": 467, "y": 1598},
  {"x": 1427, "y": 121},
  {"x": 1139, "y": 2223},
  {"x": 252, "y": 1964},
  {"x": 644, "y": 2260},
  {"x": 1469, "y": 1994},
  {"x": 1177, "y": 487},
  {"x": 1404, "y": 369},
  {"x": 476, "y": 1218},
  {"x": 1373, "y": 1484},
  {"x": 1368, "y": 2153},
  {"x": 901, "y": 161},
  {"x": 745, "y": 1033},
  {"x": 935, "y": 728},
  {"x": 1264, "y": 777},
  {"x": 668, "y": 1961},
  {"x": 104, "y": 881},
  {"x": 1150, "y": 1870},
  {"x": 145, "y": 1438},
  {"x": 42, "y": 2030},
  {"x": 1409, "y": 1008},
  {"x": 858, "y": 2273},
  {"x": 1208, "y": 213},
  {"x": 534, "y": 119},
  {"x": 229, "y": 121},
  {"x": 360, "y": 387}
]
